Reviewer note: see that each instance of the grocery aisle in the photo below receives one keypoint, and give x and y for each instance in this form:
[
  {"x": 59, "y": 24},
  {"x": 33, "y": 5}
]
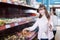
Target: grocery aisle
[
  {"x": 15, "y": 15},
  {"x": 14, "y": 18}
]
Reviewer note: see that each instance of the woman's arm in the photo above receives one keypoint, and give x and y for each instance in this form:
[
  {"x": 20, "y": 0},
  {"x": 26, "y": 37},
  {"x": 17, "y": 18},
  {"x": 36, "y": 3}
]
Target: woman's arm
[
  {"x": 33, "y": 27},
  {"x": 50, "y": 22}
]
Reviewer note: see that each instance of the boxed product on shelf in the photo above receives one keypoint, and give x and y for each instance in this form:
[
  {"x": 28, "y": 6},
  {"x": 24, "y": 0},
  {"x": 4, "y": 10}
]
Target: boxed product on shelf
[
  {"x": 4, "y": 1},
  {"x": 2, "y": 22},
  {"x": 22, "y": 2},
  {"x": 28, "y": 2},
  {"x": 14, "y": 1},
  {"x": 31, "y": 12},
  {"x": 25, "y": 35},
  {"x": 15, "y": 21},
  {"x": 13, "y": 37},
  {"x": 18, "y": 36}
]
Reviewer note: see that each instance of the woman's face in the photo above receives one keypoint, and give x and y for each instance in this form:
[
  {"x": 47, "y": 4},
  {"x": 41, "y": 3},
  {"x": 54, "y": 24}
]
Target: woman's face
[{"x": 42, "y": 11}]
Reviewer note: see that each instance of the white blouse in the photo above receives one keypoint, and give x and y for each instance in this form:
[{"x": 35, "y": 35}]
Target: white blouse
[
  {"x": 55, "y": 21},
  {"x": 42, "y": 23}
]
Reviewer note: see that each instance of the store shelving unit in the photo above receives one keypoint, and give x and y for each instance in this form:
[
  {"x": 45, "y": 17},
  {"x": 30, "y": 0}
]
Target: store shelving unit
[
  {"x": 9, "y": 10},
  {"x": 6, "y": 6}
]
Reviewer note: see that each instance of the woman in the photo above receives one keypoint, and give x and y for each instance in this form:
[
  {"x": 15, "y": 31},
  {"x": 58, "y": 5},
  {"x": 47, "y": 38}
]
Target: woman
[
  {"x": 54, "y": 19},
  {"x": 44, "y": 24}
]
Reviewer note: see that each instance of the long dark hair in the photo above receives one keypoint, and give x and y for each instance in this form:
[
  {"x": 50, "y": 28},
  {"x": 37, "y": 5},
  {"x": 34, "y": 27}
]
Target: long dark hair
[
  {"x": 46, "y": 12},
  {"x": 54, "y": 11}
]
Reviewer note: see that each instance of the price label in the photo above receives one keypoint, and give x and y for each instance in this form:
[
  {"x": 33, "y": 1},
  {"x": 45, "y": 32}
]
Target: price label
[
  {"x": 16, "y": 24},
  {"x": 7, "y": 26}
]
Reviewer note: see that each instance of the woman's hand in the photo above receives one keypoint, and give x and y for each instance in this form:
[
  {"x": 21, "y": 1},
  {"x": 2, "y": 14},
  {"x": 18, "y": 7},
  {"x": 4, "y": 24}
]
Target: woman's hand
[
  {"x": 50, "y": 27},
  {"x": 25, "y": 29}
]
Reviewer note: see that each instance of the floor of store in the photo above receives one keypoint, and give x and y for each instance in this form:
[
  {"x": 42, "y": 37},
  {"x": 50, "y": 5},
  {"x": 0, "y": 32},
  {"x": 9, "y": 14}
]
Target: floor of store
[{"x": 57, "y": 37}]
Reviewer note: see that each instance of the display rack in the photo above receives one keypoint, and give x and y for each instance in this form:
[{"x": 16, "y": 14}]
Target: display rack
[
  {"x": 13, "y": 25},
  {"x": 7, "y": 10}
]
